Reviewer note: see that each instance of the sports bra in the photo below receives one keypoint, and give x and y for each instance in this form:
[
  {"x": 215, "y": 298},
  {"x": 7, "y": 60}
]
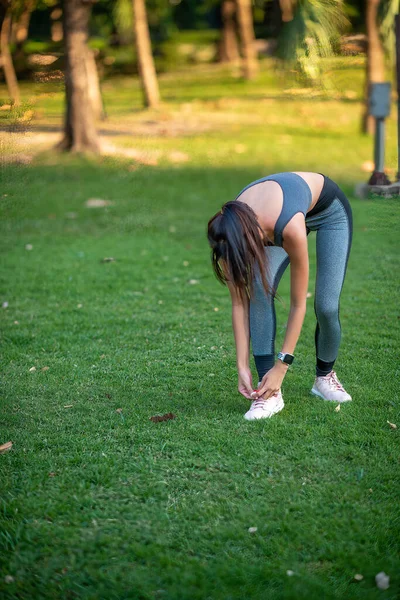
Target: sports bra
[{"x": 297, "y": 197}]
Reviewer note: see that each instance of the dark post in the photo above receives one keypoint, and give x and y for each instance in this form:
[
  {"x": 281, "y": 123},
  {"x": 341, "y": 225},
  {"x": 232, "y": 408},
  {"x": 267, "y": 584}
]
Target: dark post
[{"x": 397, "y": 24}]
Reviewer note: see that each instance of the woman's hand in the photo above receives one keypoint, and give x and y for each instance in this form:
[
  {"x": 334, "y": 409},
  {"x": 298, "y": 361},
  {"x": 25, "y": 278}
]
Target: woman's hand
[
  {"x": 272, "y": 381},
  {"x": 245, "y": 384}
]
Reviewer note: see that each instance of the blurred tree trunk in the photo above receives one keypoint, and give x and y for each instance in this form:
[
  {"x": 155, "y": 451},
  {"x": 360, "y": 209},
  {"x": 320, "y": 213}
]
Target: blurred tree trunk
[
  {"x": 94, "y": 89},
  {"x": 22, "y": 25},
  {"x": 6, "y": 59},
  {"x": 287, "y": 9},
  {"x": 79, "y": 126},
  {"x": 228, "y": 47},
  {"x": 375, "y": 59},
  {"x": 147, "y": 71},
  {"x": 247, "y": 38}
]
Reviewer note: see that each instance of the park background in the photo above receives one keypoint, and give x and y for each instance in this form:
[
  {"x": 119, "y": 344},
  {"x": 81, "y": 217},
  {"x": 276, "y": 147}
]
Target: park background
[{"x": 111, "y": 313}]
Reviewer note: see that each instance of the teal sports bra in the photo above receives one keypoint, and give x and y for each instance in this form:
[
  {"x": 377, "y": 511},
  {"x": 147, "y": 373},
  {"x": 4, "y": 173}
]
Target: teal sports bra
[{"x": 297, "y": 197}]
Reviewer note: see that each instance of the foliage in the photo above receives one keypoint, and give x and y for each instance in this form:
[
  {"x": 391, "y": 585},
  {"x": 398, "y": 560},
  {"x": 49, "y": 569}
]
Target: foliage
[
  {"x": 123, "y": 19},
  {"x": 311, "y": 35},
  {"x": 387, "y": 29}
]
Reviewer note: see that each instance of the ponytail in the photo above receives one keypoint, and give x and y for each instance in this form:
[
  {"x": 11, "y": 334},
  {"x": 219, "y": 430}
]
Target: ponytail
[{"x": 235, "y": 240}]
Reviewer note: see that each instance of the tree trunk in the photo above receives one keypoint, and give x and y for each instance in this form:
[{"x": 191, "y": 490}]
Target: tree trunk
[
  {"x": 94, "y": 89},
  {"x": 287, "y": 9},
  {"x": 22, "y": 25},
  {"x": 228, "y": 47},
  {"x": 6, "y": 59},
  {"x": 147, "y": 71},
  {"x": 247, "y": 38},
  {"x": 375, "y": 71},
  {"x": 79, "y": 127}
]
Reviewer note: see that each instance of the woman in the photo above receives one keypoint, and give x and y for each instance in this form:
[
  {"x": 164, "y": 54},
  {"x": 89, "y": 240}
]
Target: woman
[{"x": 253, "y": 239}]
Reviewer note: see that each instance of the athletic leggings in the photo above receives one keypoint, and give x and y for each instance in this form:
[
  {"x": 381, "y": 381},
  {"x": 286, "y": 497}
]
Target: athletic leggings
[{"x": 334, "y": 235}]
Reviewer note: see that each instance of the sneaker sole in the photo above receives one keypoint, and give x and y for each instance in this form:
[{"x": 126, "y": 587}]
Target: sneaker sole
[
  {"x": 317, "y": 393},
  {"x": 280, "y": 406}
]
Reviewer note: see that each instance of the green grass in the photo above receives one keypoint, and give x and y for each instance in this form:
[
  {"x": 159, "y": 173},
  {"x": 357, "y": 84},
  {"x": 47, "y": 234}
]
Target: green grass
[{"x": 97, "y": 503}]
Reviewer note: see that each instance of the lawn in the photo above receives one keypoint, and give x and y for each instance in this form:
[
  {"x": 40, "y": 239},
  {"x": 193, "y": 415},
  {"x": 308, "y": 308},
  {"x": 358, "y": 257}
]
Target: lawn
[{"x": 97, "y": 500}]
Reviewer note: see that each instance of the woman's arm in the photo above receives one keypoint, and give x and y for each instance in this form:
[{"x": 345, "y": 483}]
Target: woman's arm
[
  {"x": 295, "y": 244},
  {"x": 240, "y": 324}
]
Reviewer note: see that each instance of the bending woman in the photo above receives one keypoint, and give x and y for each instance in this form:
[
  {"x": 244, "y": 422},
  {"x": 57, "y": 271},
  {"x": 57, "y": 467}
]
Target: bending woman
[{"x": 253, "y": 239}]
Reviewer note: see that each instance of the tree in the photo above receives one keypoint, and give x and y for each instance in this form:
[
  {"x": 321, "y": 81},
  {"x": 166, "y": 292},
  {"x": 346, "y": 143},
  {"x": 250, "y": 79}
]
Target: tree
[
  {"x": 309, "y": 35},
  {"x": 228, "y": 47},
  {"x": 147, "y": 71},
  {"x": 94, "y": 90},
  {"x": 6, "y": 59},
  {"x": 22, "y": 23},
  {"x": 79, "y": 126},
  {"x": 375, "y": 58},
  {"x": 247, "y": 38}
]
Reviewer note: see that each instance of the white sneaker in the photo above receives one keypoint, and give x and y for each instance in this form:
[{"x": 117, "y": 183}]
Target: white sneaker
[
  {"x": 330, "y": 388},
  {"x": 263, "y": 409}
]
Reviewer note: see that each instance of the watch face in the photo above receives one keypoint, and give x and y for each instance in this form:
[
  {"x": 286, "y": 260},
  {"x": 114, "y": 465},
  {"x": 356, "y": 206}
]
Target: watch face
[{"x": 286, "y": 358}]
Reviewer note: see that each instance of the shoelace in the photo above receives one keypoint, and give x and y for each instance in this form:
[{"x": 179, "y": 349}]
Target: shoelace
[
  {"x": 261, "y": 401},
  {"x": 334, "y": 381}
]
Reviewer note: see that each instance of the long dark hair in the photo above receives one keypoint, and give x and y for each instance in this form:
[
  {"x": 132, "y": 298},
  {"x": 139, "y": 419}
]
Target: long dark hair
[{"x": 234, "y": 237}]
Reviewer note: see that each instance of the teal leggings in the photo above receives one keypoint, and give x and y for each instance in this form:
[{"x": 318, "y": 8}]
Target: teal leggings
[{"x": 334, "y": 236}]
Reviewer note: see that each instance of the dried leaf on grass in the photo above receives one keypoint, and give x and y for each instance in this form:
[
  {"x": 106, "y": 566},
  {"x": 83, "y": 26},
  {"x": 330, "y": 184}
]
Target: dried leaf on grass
[
  {"x": 252, "y": 529},
  {"x": 68, "y": 406},
  {"x": 358, "y": 577},
  {"x": 96, "y": 203},
  {"x": 5, "y": 447},
  {"x": 32, "y": 369},
  {"x": 45, "y": 368},
  {"x": 108, "y": 259},
  {"x": 337, "y": 408},
  {"x": 118, "y": 410},
  {"x": 391, "y": 425},
  {"x": 166, "y": 417}
]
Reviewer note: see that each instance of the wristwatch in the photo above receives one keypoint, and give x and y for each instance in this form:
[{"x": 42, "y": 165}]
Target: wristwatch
[{"x": 287, "y": 359}]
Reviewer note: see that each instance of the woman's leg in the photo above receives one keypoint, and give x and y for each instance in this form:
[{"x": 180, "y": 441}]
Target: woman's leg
[
  {"x": 262, "y": 312},
  {"x": 334, "y": 236}
]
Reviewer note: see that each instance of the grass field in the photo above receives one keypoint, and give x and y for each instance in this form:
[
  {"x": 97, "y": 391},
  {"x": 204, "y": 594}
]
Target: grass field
[{"x": 98, "y": 501}]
